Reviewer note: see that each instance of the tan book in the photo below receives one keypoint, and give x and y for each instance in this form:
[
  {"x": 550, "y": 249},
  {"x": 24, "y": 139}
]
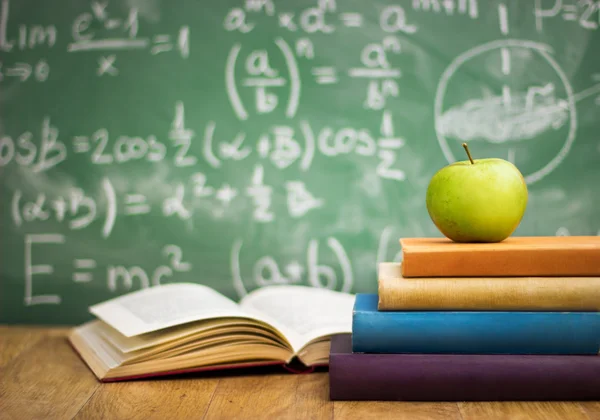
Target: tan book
[
  {"x": 485, "y": 293},
  {"x": 517, "y": 256},
  {"x": 183, "y": 327}
]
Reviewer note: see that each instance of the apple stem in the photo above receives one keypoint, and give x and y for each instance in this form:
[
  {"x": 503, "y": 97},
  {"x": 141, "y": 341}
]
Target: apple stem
[{"x": 468, "y": 153}]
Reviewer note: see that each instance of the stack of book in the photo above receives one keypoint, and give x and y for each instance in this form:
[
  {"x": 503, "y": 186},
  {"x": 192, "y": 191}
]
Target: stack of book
[{"x": 516, "y": 320}]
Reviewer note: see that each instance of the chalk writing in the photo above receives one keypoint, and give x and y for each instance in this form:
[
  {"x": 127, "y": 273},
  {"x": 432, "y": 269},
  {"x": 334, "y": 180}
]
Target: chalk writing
[
  {"x": 448, "y": 7},
  {"x": 267, "y": 271},
  {"x": 85, "y": 264},
  {"x": 262, "y": 79},
  {"x": 325, "y": 75},
  {"x": 259, "y": 6},
  {"x": 351, "y": 19},
  {"x": 32, "y": 269},
  {"x": 23, "y": 72},
  {"x": 236, "y": 21},
  {"x": 291, "y": 134},
  {"x": 584, "y": 13},
  {"x": 106, "y": 65},
  {"x": 299, "y": 200},
  {"x": 181, "y": 137},
  {"x": 261, "y": 196},
  {"x": 200, "y": 189},
  {"x": 24, "y": 152},
  {"x": 174, "y": 205},
  {"x": 226, "y": 194},
  {"x": 388, "y": 144},
  {"x": 78, "y": 210},
  {"x": 393, "y": 19},
  {"x": 98, "y": 30},
  {"x": 375, "y": 58},
  {"x": 524, "y": 115},
  {"x": 118, "y": 277},
  {"x": 136, "y": 204},
  {"x": 29, "y": 37},
  {"x": 124, "y": 149},
  {"x": 285, "y": 145}
]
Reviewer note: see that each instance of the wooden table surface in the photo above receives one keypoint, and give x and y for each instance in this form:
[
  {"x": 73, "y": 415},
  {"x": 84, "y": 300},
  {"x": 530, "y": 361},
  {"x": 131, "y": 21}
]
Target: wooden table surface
[{"x": 41, "y": 377}]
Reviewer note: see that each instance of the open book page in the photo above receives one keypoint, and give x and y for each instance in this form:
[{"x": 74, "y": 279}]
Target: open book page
[
  {"x": 184, "y": 333},
  {"x": 308, "y": 311},
  {"x": 155, "y": 308}
]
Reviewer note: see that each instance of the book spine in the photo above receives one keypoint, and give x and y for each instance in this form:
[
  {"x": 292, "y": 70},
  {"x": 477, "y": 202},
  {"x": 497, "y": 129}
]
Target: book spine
[
  {"x": 463, "y": 378},
  {"x": 470, "y": 332},
  {"x": 490, "y": 293},
  {"x": 501, "y": 261}
]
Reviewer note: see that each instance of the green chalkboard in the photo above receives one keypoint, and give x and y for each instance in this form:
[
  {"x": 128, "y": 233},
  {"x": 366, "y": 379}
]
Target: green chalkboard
[{"x": 245, "y": 143}]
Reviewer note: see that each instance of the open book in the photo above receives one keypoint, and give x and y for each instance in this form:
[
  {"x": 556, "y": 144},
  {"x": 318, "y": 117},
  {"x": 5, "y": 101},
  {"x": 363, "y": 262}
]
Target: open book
[{"x": 181, "y": 327}]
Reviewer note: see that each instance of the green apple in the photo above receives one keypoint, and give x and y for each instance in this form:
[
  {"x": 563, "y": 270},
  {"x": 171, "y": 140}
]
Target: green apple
[{"x": 481, "y": 200}]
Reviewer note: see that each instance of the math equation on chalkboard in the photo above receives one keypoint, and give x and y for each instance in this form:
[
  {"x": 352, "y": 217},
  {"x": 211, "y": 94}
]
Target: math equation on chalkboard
[{"x": 247, "y": 143}]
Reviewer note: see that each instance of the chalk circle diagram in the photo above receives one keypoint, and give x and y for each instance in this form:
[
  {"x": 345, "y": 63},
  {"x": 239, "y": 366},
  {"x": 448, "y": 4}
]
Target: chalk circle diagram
[{"x": 525, "y": 125}]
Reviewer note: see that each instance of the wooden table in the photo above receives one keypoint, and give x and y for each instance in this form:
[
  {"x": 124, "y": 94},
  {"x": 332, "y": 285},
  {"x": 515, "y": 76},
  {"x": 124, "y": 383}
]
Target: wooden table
[{"x": 41, "y": 377}]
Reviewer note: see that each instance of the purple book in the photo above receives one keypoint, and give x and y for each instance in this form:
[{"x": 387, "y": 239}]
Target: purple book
[{"x": 459, "y": 377}]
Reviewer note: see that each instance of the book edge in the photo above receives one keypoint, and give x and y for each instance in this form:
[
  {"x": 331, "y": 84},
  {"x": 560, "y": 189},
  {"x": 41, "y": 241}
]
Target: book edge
[{"x": 95, "y": 364}]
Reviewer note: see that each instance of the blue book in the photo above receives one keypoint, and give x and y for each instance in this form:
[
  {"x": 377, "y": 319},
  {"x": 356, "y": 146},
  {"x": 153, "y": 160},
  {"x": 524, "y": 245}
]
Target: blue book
[{"x": 471, "y": 332}]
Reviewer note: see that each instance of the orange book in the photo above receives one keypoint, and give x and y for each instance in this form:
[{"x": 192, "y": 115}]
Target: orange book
[{"x": 515, "y": 256}]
